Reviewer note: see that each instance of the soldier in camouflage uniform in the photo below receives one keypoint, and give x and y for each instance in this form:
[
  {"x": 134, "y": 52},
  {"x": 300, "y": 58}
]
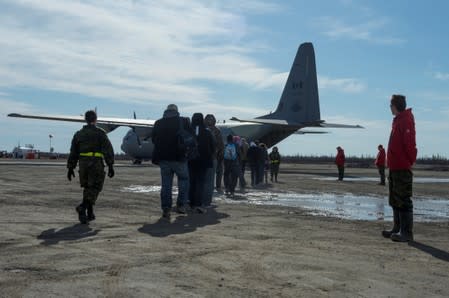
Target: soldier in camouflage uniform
[
  {"x": 90, "y": 146},
  {"x": 275, "y": 161}
]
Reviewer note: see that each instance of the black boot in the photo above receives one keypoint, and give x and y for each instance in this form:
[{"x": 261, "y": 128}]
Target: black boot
[
  {"x": 81, "y": 209},
  {"x": 406, "y": 233},
  {"x": 396, "y": 224},
  {"x": 90, "y": 212}
]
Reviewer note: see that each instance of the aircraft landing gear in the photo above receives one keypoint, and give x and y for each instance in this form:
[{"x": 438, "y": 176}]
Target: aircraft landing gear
[{"x": 137, "y": 161}]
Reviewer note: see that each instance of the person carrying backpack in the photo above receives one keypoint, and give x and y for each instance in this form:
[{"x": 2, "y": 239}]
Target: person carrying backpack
[
  {"x": 231, "y": 165},
  {"x": 199, "y": 167},
  {"x": 169, "y": 158}
]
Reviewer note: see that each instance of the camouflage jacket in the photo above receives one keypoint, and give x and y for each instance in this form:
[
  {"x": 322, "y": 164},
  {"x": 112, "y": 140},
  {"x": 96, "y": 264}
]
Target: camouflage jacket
[
  {"x": 90, "y": 139},
  {"x": 219, "y": 148}
]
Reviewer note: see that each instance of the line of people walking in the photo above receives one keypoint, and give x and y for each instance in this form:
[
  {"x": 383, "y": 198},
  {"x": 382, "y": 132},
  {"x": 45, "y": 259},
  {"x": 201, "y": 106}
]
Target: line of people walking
[{"x": 214, "y": 163}]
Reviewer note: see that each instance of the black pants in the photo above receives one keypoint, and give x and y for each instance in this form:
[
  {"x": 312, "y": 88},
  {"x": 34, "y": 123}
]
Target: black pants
[
  {"x": 382, "y": 174},
  {"x": 341, "y": 172}
]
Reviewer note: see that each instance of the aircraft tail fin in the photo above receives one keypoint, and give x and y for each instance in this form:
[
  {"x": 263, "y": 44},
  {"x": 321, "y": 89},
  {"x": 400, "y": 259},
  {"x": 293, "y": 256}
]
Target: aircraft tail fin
[{"x": 299, "y": 101}]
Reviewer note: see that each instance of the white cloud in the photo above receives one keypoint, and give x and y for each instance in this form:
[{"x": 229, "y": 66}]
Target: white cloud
[
  {"x": 12, "y": 106},
  {"x": 373, "y": 31},
  {"x": 347, "y": 85},
  {"x": 133, "y": 51},
  {"x": 441, "y": 76}
]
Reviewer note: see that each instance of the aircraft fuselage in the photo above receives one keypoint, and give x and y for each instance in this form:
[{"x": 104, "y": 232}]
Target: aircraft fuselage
[{"x": 137, "y": 142}]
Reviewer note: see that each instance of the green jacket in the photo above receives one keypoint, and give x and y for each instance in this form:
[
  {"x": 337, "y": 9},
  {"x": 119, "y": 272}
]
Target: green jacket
[{"x": 90, "y": 141}]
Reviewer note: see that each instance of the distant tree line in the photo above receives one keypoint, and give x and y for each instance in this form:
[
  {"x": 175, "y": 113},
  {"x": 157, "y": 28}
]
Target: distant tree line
[
  {"x": 358, "y": 161},
  {"x": 355, "y": 161}
]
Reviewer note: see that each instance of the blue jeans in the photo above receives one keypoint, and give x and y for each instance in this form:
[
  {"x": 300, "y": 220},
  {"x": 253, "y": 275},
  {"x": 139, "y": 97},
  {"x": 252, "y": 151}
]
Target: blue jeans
[
  {"x": 219, "y": 173},
  {"x": 168, "y": 169},
  {"x": 210, "y": 179}
]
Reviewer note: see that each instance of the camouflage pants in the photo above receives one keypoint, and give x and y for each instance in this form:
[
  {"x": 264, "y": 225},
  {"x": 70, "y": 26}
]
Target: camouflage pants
[
  {"x": 400, "y": 183},
  {"x": 92, "y": 174}
]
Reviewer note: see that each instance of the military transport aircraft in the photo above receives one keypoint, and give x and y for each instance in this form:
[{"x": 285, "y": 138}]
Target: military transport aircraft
[{"x": 298, "y": 108}]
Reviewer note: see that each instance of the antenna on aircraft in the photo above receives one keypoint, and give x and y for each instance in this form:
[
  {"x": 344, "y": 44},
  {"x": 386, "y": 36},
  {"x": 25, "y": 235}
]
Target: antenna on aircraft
[{"x": 134, "y": 130}]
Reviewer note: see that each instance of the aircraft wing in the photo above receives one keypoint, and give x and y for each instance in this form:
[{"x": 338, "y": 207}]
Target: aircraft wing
[{"x": 101, "y": 120}]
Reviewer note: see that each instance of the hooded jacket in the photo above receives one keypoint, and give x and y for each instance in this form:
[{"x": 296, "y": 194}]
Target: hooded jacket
[
  {"x": 380, "y": 159},
  {"x": 206, "y": 143},
  {"x": 340, "y": 158},
  {"x": 402, "y": 150}
]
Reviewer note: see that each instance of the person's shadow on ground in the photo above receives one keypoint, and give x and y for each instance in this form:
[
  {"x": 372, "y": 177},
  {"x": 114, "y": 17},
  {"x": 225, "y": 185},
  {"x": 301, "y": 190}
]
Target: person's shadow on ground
[
  {"x": 435, "y": 252},
  {"x": 72, "y": 233},
  {"x": 182, "y": 224}
]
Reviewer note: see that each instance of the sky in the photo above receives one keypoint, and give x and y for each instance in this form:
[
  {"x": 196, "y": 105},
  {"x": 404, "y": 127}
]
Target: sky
[{"x": 229, "y": 58}]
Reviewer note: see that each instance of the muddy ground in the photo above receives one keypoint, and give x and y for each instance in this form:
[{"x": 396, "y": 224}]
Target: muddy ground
[{"x": 235, "y": 250}]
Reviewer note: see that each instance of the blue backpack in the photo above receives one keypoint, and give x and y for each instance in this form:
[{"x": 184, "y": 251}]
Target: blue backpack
[{"x": 230, "y": 152}]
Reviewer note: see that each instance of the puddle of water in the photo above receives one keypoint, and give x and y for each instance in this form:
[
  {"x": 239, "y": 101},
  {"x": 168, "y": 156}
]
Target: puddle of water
[
  {"x": 347, "y": 206},
  {"x": 144, "y": 189},
  {"x": 376, "y": 179}
]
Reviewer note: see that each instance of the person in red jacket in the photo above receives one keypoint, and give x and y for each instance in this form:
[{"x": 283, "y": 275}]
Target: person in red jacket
[
  {"x": 340, "y": 162},
  {"x": 401, "y": 155},
  {"x": 380, "y": 163}
]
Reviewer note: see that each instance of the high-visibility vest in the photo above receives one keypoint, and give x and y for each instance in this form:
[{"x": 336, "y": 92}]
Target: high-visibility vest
[{"x": 92, "y": 154}]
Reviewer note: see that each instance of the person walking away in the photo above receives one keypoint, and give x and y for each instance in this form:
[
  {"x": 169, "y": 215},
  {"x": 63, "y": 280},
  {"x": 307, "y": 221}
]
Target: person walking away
[
  {"x": 201, "y": 166},
  {"x": 264, "y": 163},
  {"x": 275, "y": 161},
  {"x": 252, "y": 162},
  {"x": 91, "y": 148},
  {"x": 241, "y": 179},
  {"x": 260, "y": 163},
  {"x": 231, "y": 165},
  {"x": 217, "y": 171},
  {"x": 380, "y": 163},
  {"x": 171, "y": 159},
  {"x": 340, "y": 162},
  {"x": 401, "y": 155},
  {"x": 244, "y": 146}
]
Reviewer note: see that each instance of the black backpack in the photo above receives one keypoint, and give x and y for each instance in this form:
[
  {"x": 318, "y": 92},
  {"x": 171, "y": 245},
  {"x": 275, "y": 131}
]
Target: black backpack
[{"x": 187, "y": 143}]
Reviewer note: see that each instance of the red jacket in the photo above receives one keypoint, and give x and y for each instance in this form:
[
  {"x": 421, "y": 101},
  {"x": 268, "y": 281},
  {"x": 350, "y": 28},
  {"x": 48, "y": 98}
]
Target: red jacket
[
  {"x": 402, "y": 145},
  {"x": 380, "y": 159},
  {"x": 340, "y": 158}
]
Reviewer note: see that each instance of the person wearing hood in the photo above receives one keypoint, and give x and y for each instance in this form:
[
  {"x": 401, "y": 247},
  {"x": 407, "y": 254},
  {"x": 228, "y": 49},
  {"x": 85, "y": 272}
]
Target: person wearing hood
[
  {"x": 401, "y": 155},
  {"x": 170, "y": 160},
  {"x": 200, "y": 166},
  {"x": 217, "y": 174},
  {"x": 231, "y": 165},
  {"x": 340, "y": 162},
  {"x": 252, "y": 157}
]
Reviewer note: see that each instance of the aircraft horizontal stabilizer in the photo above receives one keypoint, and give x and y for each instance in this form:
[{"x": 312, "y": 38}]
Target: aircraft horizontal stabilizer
[
  {"x": 303, "y": 132},
  {"x": 269, "y": 121},
  {"x": 100, "y": 120},
  {"x": 333, "y": 125}
]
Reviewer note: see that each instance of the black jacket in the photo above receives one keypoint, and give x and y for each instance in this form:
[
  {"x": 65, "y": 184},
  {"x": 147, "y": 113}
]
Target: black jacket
[
  {"x": 206, "y": 143},
  {"x": 164, "y": 137}
]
